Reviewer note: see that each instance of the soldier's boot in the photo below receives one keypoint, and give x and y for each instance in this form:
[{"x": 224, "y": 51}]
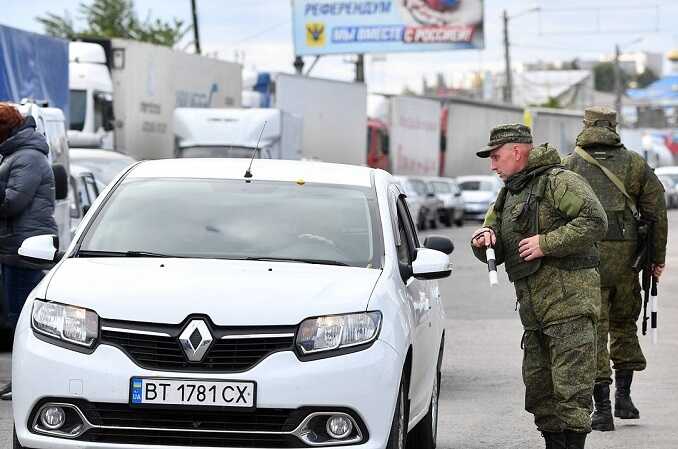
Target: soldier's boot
[
  {"x": 575, "y": 440},
  {"x": 555, "y": 440},
  {"x": 623, "y": 405},
  {"x": 602, "y": 416}
]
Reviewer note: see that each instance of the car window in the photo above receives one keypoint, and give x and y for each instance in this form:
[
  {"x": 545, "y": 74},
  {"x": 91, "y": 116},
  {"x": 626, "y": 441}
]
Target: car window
[
  {"x": 231, "y": 219},
  {"x": 441, "y": 187},
  {"x": 478, "y": 186},
  {"x": 78, "y": 107}
]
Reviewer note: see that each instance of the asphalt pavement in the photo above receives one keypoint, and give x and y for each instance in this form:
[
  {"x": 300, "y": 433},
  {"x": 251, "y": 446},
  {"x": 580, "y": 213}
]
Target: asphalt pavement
[{"x": 482, "y": 392}]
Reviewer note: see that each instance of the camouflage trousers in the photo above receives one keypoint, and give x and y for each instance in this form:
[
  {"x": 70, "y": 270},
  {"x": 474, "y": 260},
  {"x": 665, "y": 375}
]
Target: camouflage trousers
[
  {"x": 558, "y": 372},
  {"x": 558, "y": 311},
  {"x": 620, "y": 307}
]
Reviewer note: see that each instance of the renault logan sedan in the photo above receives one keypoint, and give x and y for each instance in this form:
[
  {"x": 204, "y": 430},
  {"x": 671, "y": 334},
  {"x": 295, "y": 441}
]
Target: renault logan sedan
[{"x": 204, "y": 305}]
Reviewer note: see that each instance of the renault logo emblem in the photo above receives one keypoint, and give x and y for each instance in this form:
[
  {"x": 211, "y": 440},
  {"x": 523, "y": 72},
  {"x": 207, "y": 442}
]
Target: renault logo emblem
[{"x": 196, "y": 340}]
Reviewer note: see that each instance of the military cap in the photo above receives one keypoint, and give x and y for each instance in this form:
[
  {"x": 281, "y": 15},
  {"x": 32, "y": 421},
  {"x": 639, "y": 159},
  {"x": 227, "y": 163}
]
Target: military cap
[
  {"x": 600, "y": 116},
  {"x": 502, "y": 134}
]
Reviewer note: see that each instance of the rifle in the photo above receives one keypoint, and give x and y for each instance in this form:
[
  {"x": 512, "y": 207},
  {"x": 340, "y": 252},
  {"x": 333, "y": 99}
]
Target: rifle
[{"x": 644, "y": 262}]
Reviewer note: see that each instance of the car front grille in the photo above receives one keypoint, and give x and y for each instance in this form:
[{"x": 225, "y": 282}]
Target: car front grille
[
  {"x": 191, "y": 439},
  {"x": 124, "y": 415},
  {"x": 124, "y": 424},
  {"x": 233, "y": 349}
]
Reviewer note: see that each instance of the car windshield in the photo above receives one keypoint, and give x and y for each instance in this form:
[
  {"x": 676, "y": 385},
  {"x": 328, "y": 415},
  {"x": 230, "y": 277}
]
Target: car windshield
[
  {"x": 220, "y": 151},
  {"x": 232, "y": 219},
  {"x": 441, "y": 187},
  {"x": 477, "y": 186},
  {"x": 104, "y": 169}
]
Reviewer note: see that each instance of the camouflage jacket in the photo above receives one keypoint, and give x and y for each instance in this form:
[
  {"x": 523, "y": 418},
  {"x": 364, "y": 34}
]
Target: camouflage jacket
[
  {"x": 640, "y": 183},
  {"x": 570, "y": 220}
]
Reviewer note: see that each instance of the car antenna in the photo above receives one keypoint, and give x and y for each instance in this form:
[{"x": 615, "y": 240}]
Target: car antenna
[{"x": 248, "y": 172}]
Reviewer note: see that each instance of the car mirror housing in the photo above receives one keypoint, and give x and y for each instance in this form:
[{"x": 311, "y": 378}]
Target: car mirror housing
[
  {"x": 40, "y": 248},
  {"x": 442, "y": 244},
  {"x": 431, "y": 264}
]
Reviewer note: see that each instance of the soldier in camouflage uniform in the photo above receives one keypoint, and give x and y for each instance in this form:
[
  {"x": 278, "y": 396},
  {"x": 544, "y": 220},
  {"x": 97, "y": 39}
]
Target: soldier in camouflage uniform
[
  {"x": 544, "y": 226},
  {"x": 620, "y": 290}
]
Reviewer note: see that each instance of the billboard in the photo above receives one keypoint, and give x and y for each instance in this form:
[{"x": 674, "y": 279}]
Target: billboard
[{"x": 322, "y": 27}]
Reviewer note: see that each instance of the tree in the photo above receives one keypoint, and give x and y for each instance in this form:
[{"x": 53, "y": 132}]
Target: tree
[
  {"x": 115, "y": 18},
  {"x": 646, "y": 78},
  {"x": 603, "y": 77}
]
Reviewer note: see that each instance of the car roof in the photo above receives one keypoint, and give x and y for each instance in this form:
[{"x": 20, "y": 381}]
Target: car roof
[
  {"x": 98, "y": 154},
  {"x": 478, "y": 178},
  {"x": 262, "y": 169}
]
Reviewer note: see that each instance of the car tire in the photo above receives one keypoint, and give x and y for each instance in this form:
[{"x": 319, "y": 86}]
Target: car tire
[
  {"x": 421, "y": 222},
  {"x": 397, "y": 438},
  {"x": 434, "y": 224},
  {"x": 425, "y": 433},
  {"x": 460, "y": 221},
  {"x": 15, "y": 440}
]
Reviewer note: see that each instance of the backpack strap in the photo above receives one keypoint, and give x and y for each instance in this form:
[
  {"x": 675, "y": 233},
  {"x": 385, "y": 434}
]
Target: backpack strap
[{"x": 630, "y": 203}]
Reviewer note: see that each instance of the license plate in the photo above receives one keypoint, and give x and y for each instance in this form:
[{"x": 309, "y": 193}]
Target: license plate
[{"x": 214, "y": 393}]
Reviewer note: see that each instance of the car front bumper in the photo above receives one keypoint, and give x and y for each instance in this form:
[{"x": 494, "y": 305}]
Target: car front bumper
[{"x": 363, "y": 382}]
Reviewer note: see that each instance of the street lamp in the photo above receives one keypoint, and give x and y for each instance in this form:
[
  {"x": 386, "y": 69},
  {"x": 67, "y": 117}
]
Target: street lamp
[{"x": 508, "y": 91}]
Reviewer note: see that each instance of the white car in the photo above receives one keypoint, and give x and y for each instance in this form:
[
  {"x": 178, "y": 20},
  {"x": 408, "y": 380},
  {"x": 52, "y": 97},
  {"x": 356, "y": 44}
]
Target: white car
[
  {"x": 478, "y": 193},
  {"x": 291, "y": 308}
]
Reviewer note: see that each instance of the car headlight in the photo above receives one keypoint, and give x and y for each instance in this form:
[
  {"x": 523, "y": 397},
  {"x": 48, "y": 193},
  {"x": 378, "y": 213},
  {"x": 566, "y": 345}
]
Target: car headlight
[
  {"x": 69, "y": 324},
  {"x": 337, "y": 332}
]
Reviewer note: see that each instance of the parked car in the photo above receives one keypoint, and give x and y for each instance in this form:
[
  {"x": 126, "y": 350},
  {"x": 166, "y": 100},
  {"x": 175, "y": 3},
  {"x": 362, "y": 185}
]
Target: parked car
[
  {"x": 421, "y": 200},
  {"x": 447, "y": 190},
  {"x": 205, "y": 322},
  {"x": 105, "y": 165},
  {"x": 670, "y": 190},
  {"x": 478, "y": 193},
  {"x": 84, "y": 189}
]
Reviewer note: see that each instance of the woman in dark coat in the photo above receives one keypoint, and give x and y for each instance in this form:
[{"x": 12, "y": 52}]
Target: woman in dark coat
[{"x": 27, "y": 198}]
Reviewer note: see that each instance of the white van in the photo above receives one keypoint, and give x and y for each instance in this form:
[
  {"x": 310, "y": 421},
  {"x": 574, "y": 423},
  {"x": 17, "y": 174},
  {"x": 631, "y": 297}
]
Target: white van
[{"x": 52, "y": 124}]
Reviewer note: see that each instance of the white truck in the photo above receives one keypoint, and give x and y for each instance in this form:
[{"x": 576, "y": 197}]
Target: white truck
[
  {"x": 236, "y": 132},
  {"x": 306, "y": 118},
  {"x": 124, "y": 92},
  {"x": 414, "y": 136}
]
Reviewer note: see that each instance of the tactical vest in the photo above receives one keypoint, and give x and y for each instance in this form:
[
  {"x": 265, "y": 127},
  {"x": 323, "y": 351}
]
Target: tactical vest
[
  {"x": 518, "y": 215},
  {"x": 621, "y": 223}
]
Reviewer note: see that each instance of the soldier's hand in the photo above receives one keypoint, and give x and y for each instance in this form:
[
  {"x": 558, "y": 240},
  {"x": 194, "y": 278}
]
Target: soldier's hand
[
  {"x": 529, "y": 248},
  {"x": 657, "y": 270},
  {"x": 483, "y": 238}
]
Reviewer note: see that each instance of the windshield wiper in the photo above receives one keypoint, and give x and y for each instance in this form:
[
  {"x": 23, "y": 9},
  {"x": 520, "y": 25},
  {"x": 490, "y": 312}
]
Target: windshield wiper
[
  {"x": 93, "y": 253},
  {"x": 292, "y": 259}
]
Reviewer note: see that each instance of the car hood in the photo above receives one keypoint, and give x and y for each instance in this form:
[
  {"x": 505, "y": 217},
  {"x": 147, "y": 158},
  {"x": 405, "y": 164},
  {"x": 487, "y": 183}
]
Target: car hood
[{"x": 235, "y": 293}]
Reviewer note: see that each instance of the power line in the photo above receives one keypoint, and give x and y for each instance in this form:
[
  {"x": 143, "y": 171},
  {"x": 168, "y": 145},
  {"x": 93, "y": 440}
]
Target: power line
[{"x": 260, "y": 33}]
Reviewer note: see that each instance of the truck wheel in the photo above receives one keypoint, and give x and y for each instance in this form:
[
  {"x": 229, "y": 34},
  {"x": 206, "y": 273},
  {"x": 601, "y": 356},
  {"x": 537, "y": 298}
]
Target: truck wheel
[{"x": 397, "y": 439}]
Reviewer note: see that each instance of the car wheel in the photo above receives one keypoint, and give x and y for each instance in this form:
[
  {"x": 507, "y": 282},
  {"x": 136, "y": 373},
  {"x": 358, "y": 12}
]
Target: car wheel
[
  {"x": 425, "y": 434},
  {"x": 397, "y": 439},
  {"x": 460, "y": 221},
  {"x": 15, "y": 441},
  {"x": 448, "y": 218},
  {"x": 421, "y": 222}
]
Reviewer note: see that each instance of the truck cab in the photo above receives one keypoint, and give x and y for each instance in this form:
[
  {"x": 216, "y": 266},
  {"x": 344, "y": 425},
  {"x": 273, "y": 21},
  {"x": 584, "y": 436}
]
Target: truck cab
[
  {"x": 91, "y": 96},
  {"x": 213, "y": 132}
]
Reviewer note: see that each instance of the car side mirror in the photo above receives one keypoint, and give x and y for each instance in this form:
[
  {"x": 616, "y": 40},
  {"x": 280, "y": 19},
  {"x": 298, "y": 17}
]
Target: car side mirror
[
  {"x": 442, "y": 244},
  {"x": 431, "y": 264},
  {"x": 60, "y": 181},
  {"x": 41, "y": 248}
]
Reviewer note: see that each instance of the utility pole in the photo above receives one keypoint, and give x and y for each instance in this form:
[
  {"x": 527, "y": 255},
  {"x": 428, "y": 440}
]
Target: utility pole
[
  {"x": 196, "y": 33},
  {"x": 360, "y": 68},
  {"x": 617, "y": 84},
  {"x": 508, "y": 90}
]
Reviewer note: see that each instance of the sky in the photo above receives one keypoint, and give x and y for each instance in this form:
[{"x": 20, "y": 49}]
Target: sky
[{"x": 258, "y": 34}]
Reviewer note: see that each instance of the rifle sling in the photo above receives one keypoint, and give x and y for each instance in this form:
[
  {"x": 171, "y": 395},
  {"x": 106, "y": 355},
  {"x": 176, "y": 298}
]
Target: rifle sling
[{"x": 612, "y": 177}]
